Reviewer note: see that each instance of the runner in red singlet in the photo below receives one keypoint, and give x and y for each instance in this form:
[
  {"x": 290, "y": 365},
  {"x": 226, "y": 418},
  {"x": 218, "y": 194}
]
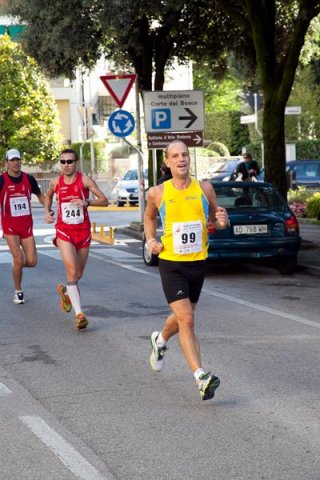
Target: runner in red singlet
[
  {"x": 16, "y": 188},
  {"x": 73, "y": 228}
]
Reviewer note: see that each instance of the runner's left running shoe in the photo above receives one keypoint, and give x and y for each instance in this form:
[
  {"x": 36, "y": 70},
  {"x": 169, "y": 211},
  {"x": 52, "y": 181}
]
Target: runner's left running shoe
[
  {"x": 207, "y": 385},
  {"x": 81, "y": 321}
]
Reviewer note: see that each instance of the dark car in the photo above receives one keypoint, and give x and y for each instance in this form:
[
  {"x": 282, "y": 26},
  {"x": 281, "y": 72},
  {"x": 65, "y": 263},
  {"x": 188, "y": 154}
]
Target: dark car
[
  {"x": 262, "y": 227},
  {"x": 222, "y": 170},
  {"x": 304, "y": 173}
]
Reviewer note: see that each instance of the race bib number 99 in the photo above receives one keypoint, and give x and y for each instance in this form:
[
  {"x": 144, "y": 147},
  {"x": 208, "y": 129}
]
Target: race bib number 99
[
  {"x": 71, "y": 214},
  {"x": 187, "y": 237},
  {"x": 19, "y": 206}
]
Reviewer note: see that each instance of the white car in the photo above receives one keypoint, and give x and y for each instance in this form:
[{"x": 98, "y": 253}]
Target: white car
[{"x": 126, "y": 190}]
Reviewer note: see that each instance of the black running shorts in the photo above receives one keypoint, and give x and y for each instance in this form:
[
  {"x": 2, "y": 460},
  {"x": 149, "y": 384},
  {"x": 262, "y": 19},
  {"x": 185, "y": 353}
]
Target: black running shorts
[{"x": 182, "y": 279}]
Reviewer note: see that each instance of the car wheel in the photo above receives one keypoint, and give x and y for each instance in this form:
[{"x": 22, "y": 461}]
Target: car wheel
[
  {"x": 120, "y": 204},
  {"x": 288, "y": 265},
  {"x": 148, "y": 258}
]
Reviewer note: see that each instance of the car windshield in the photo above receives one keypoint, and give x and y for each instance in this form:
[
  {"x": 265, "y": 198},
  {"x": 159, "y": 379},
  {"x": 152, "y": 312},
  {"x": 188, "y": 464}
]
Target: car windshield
[
  {"x": 130, "y": 175},
  {"x": 257, "y": 196},
  {"x": 223, "y": 167}
]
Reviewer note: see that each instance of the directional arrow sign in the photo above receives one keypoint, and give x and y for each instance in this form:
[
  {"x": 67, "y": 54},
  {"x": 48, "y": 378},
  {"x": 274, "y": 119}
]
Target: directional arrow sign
[
  {"x": 119, "y": 86},
  {"x": 121, "y": 123},
  {"x": 174, "y": 111},
  {"x": 157, "y": 141}
]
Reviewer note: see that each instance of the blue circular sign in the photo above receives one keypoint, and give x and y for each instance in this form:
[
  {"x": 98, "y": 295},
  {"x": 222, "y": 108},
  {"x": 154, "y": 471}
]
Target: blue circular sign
[{"x": 121, "y": 123}]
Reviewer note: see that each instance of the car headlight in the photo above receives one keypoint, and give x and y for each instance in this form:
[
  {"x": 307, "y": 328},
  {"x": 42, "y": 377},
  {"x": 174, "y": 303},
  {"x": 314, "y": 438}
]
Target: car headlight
[
  {"x": 226, "y": 179},
  {"x": 123, "y": 192}
]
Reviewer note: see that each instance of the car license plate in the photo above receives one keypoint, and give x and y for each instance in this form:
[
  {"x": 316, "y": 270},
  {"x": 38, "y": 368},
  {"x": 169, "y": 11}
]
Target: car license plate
[{"x": 249, "y": 229}]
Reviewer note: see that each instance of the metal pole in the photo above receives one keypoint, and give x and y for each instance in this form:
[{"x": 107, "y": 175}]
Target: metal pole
[
  {"x": 154, "y": 166},
  {"x": 140, "y": 180}
]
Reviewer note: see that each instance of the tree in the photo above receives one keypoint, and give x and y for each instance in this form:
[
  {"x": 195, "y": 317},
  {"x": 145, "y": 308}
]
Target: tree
[
  {"x": 277, "y": 30},
  {"x": 28, "y": 115}
]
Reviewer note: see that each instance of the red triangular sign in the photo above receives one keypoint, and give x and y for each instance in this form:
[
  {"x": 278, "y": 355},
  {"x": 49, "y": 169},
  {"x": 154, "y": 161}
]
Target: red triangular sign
[{"x": 119, "y": 86}]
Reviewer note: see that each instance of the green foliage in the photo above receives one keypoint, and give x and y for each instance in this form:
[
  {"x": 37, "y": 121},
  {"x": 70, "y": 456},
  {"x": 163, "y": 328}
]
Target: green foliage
[
  {"x": 220, "y": 148},
  {"x": 308, "y": 149},
  {"x": 28, "y": 117},
  {"x": 99, "y": 152},
  {"x": 225, "y": 127},
  {"x": 300, "y": 194},
  {"x": 313, "y": 206}
]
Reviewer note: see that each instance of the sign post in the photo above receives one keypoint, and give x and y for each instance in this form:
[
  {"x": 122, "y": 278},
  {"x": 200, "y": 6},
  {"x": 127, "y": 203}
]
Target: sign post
[{"x": 121, "y": 123}]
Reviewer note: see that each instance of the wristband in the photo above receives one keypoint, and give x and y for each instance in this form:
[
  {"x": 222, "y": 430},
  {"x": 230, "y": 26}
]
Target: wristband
[
  {"x": 151, "y": 240},
  {"x": 88, "y": 203}
]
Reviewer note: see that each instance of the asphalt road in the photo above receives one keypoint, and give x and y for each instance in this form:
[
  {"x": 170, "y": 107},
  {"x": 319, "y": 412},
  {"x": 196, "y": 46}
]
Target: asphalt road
[{"x": 87, "y": 405}]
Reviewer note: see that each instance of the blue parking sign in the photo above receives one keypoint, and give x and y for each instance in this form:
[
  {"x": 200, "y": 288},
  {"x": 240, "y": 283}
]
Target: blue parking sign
[{"x": 161, "y": 118}]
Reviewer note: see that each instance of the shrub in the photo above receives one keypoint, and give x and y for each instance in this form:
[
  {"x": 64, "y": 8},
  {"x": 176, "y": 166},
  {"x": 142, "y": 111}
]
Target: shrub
[
  {"x": 219, "y": 147},
  {"x": 313, "y": 206},
  {"x": 299, "y": 195}
]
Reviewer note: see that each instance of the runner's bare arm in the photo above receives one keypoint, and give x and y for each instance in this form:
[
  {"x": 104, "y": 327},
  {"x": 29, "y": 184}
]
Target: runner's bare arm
[
  {"x": 217, "y": 215},
  {"x": 150, "y": 219},
  {"x": 100, "y": 199},
  {"x": 48, "y": 201}
]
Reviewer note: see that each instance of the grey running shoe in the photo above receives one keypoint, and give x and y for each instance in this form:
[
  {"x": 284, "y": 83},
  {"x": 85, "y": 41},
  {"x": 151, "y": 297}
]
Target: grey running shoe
[
  {"x": 208, "y": 385},
  {"x": 18, "y": 298},
  {"x": 157, "y": 354}
]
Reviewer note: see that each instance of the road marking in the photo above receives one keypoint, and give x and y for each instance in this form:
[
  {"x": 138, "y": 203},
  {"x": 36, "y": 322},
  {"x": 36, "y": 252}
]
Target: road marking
[
  {"x": 273, "y": 311},
  {"x": 68, "y": 455},
  {"x": 4, "y": 391},
  {"x": 123, "y": 265}
]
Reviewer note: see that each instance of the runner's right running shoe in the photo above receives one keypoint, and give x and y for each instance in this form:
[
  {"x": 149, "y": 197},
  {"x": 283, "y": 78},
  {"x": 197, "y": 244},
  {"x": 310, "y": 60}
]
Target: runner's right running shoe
[
  {"x": 81, "y": 321},
  {"x": 157, "y": 354},
  {"x": 65, "y": 302},
  {"x": 208, "y": 385},
  {"x": 18, "y": 298}
]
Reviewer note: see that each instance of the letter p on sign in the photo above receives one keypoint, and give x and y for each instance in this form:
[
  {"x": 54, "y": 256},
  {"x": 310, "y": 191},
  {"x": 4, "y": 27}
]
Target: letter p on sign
[{"x": 161, "y": 118}]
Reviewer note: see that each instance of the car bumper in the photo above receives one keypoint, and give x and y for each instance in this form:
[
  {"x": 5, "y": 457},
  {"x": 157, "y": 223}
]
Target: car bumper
[{"x": 246, "y": 250}]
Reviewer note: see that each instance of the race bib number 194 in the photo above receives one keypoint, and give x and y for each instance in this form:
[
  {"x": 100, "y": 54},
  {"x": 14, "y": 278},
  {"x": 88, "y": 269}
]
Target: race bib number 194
[
  {"x": 187, "y": 237},
  {"x": 19, "y": 206}
]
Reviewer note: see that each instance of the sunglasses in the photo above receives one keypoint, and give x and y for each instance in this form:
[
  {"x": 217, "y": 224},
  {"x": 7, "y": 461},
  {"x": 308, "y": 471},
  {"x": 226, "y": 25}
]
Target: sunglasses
[{"x": 68, "y": 162}]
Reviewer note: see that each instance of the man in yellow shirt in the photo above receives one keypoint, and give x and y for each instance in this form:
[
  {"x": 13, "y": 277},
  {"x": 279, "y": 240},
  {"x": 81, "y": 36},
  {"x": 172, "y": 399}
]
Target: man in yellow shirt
[{"x": 184, "y": 205}]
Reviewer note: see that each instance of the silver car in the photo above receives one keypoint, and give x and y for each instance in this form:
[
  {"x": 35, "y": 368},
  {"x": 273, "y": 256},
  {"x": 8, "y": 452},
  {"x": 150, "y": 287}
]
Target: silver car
[{"x": 127, "y": 189}]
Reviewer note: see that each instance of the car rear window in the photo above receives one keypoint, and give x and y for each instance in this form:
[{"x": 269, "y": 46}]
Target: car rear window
[{"x": 248, "y": 197}]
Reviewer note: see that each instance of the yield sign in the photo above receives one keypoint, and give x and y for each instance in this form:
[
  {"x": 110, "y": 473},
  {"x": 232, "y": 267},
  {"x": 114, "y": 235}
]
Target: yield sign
[{"x": 119, "y": 86}]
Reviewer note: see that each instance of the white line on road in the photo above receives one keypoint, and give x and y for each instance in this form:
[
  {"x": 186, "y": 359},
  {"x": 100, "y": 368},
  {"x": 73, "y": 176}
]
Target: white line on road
[
  {"x": 4, "y": 391},
  {"x": 68, "y": 455}
]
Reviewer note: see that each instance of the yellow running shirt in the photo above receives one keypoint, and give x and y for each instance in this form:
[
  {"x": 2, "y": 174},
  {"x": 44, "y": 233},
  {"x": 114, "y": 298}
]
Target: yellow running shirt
[{"x": 184, "y": 215}]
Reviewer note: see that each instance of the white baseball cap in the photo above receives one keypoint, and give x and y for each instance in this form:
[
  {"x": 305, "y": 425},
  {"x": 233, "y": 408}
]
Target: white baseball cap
[{"x": 12, "y": 154}]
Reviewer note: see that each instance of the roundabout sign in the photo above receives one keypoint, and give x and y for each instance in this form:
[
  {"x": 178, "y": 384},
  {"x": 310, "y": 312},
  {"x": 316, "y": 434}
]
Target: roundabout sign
[{"x": 121, "y": 123}]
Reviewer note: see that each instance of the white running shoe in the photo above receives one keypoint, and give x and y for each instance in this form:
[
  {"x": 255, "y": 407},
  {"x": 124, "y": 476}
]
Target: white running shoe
[
  {"x": 18, "y": 298},
  {"x": 157, "y": 354}
]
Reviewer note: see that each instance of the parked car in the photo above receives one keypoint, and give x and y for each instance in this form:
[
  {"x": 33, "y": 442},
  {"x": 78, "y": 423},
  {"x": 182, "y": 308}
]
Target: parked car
[
  {"x": 127, "y": 188},
  {"x": 262, "y": 227},
  {"x": 301, "y": 173},
  {"x": 222, "y": 170}
]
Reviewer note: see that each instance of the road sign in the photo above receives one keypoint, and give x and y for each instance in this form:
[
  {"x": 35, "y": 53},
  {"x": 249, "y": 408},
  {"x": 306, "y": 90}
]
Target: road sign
[
  {"x": 292, "y": 110},
  {"x": 161, "y": 140},
  {"x": 121, "y": 123},
  {"x": 248, "y": 119},
  {"x": 119, "y": 86},
  {"x": 174, "y": 111}
]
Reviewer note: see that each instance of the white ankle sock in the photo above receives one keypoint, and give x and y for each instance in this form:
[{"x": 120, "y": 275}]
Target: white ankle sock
[
  {"x": 161, "y": 341},
  {"x": 73, "y": 292},
  {"x": 198, "y": 373}
]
